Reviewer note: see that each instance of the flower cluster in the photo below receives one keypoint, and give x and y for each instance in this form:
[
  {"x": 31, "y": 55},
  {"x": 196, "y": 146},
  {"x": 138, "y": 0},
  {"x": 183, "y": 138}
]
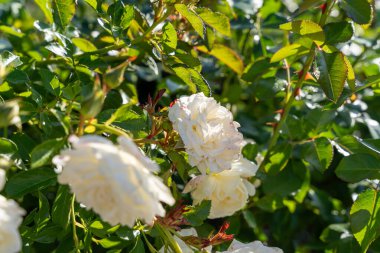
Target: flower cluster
[
  {"x": 208, "y": 131},
  {"x": 10, "y": 220},
  {"x": 116, "y": 181},
  {"x": 214, "y": 144}
]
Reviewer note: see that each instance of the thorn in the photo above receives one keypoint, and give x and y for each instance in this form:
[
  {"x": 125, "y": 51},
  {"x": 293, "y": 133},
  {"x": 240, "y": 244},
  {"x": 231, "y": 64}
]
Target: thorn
[
  {"x": 272, "y": 124},
  {"x": 323, "y": 7},
  {"x": 297, "y": 92},
  {"x": 280, "y": 111},
  {"x": 132, "y": 58},
  {"x": 172, "y": 103}
]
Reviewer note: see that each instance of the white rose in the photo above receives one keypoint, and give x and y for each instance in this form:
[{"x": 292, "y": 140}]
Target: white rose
[
  {"x": 208, "y": 131},
  {"x": 2, "y": 179},
  {"x": 115, "y": 181},
  {"x": 253, "y": 247},
  {"x": 182, "y": 245},
  {"x": 227, "y": 190},
  {"x": 10, "y": 220}
]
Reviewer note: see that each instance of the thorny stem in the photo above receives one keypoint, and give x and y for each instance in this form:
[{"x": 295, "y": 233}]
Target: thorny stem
[{"x": 292, "y": 97}]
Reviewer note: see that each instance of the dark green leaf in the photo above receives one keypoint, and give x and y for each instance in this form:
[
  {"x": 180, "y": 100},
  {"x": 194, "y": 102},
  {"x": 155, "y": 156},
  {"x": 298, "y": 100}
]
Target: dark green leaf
[
  {"x": 62, "y": 206},
  {"x": 29, "y": 181},
  {"x": 43, "y": 215},
  {"x": 360, "y": 11},
  {"x": 44, "y": 152},
  {"x": 319, "y": 153},
  {"x": 197, "y": 214},
  {"x": 333, "y": 74},
  {"x": 180, "y": 163},
  {"x": 338, "y": 32},
  {"x": 278, "y": 158},
  {"x": 357, "y": 167}
]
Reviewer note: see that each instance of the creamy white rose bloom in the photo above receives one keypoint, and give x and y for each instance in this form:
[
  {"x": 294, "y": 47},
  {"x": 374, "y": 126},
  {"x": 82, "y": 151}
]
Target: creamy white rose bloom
[
  {"x": 253, "y": 247},
  {"x": 10, "y": 220},
  {"x": 2, "y": 179},
  {"x": 182, "y": 245},
  {"x": 207, "y": 129},
  {"x": 116, "y": 181},
  {"x": 228, "y": 190}
]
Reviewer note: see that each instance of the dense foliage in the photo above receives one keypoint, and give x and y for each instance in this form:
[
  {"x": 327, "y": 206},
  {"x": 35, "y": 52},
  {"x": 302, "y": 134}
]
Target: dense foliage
[{"x": 301, "y": 77}]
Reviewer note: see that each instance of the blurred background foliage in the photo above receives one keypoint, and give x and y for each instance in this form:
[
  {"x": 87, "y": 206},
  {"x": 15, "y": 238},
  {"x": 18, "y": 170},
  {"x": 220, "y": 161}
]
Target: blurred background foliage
[{"x": 54, "y": 62}]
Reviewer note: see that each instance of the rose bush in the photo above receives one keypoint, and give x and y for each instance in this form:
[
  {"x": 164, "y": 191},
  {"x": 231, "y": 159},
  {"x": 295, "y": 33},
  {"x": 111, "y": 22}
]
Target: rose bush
[{"x": 189, "y": 126}]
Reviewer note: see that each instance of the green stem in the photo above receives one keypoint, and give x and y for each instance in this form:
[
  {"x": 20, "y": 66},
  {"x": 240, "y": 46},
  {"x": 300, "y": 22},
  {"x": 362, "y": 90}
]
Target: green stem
[
  {"x": 292, "y": 96},
  {"x": 168, "y": 237},
  {"x": 110, "y": 129},
  {"x": 75, "y": 237}
]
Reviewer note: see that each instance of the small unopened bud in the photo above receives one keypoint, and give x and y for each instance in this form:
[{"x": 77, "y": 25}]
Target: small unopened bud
[
  {"x": 9, "y": 113},
  {"x": 92, "y": 104},
  {"x": 114, "y": 77}
]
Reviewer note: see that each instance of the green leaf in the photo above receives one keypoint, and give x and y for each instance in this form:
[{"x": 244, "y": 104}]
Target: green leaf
[
  {"x": 306, "y": 28},
  {"x": 45, "y": 6},
  {"x": 350, "y": 74},
  {"x": 195, "y": 21},
  {"x": 197, "y": 214},
  {"x": 83, "y": 44},
  {"x": 319, "y": 153},
  {"x": 365, "y": 219},
  {"x": 50, "y": 81},
  {"x": 62, "y": 206},
  {"x": 287, "y": 51},
  {"x": 357, "y": 167},
  {"x": 139, "y": 246},
  {"x": 17, "y": 77},
  {"x": 11, "y": 31},
  {"x": 193, "y": 79},
  {"x": 256, "y": 69},
  {"x": 169, "y": 38},
  {"x": 282, "y": 184},
  {"x": 102, "y": 229},
  {"x": 210, "y": 38},
  {"x": 127, "y": 16},
  {"x": 29, "y": 181},
  {"x": 43, "y": 216},
  {"x": 181, "y": 164},
  {"x": 360, "y": 11},
  {"x": 270, "y": 203},
  {"x": 353, "y": 145},
  {"x": 333, "y": 74},
  {"x": 63, "y": 12},
  {"x": 216, "y": 20},
  {"x": 225, "y": 55},
  {"x": 7, "y": 147},
  {"x": 278, "y": 158},
  {"x": 44, "y": 152},
  {"x": 338, "y": 32}
]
